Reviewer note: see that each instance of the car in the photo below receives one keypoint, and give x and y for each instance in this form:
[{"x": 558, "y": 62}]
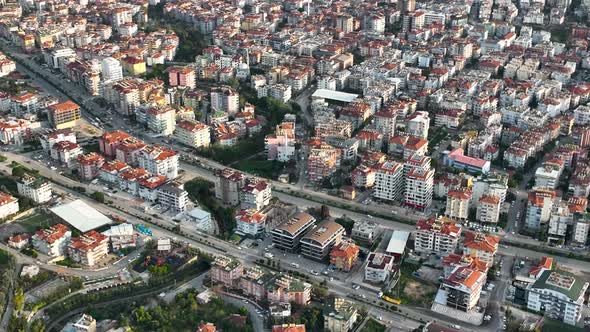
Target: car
[
  {"x": 295, "y": 265},
  {"x": 314, "y": 272}
]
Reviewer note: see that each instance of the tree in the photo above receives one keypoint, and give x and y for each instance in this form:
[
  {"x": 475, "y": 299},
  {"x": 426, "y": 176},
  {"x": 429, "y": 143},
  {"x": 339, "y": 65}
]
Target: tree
[
  {"x": 19, "y": 171},
  {"x": 19, "y": 299},
  {"x": 324, "y": 212},
  {"x": 98, "y": 196},
  {"x": 37, "y": 326}
]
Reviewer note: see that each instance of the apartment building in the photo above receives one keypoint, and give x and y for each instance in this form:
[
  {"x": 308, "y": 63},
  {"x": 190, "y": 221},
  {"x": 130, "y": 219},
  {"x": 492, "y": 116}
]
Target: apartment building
[
  {"x": 363, "y": 176},
  {"x": 322, "y": 162},
  {"x": 109, "y": 141},
  {"x": 389, "y": 182},
  {"x": 225, "y": 99},
  {"x": 480, "y": 245},
  {"x": 285, "y": 288},
  {"x": 452, "y": 261},
  {"x": 280, "y": 146},
  {"x": 89, "y": 165},
  {"x": 128, "y": 150},
  {"x": 159, "y": 161},
  {"x": 417, "y": 125},
  {"x": 250, "y": 222},
  {"x": 111, "y": 69},
  {"x": 182, "y": 77},
  {"x": 253, "y": 282},
  {"x": 8, "y": 205},
  {"x": 287, "y": 235},
  {"x": 547, "y": 176},
  {"x": 458, "y": 204},
  {"x": 110, "y": 170},
  {"x": 36, "y": 189},
  {"x": 380, "y": 267},
  {"x": 488, "y": 209},
  {"x": 66, "y": 153},
  {"x": 228, "y": 184},
  {"x": 462, "y": 289},
  {"x": 226, "y": 271},
  {"x": 439, "y": 236},
  {"x": 364, "y": 231},
  {"x": 539, "y": 207},
  {"x": 15, "y": 132},
  {"x": 319, "y": 241},
  {"x": 89, "y": 248},
  {"x": 56, "y": 136},
  {"x": 344, "y": 255},
  {"x": 161, "y": 120},
  {"x": 255, "y": 194},
  {"x": 419, "y": 188},
  {"x": 581, "y": 228},
  {"x": 289, "y": 328},
  {"x": 52, "y": 241},
  {"x": 173, "y": 196},
  {"x": 339, "y": 315},
  {"x": 559, "y": 295},
  {"x": 64, "y": 115},
  {"x": 193, "y": 133}
]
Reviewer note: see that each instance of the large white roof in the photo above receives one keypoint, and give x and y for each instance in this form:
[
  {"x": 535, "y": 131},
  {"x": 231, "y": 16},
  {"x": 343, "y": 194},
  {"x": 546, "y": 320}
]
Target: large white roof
[
  {"x": 397, "y": 243},
  {"x": 81, "y": 216},
  {"x": 334, "y": 95},
  {"x": 119, "y": 230}
]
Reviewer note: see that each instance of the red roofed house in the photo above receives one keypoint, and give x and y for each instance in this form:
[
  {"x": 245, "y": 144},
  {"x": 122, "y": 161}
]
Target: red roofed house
[
  {"x": 439, "y": 236},
  {"x": 289, "y": 328},
  {"x": 89, "y": 165},
  {"x": 89, "y": 248},
  {"x": 129, "y": 179},
  {"x": 250, "y": 222},
  {"x": 255, "y": 194},
  {"x": 488, "y": 209},
  {"x": 481, "y": 246},
  {"x": 19, "y": 241},
  {"x": 344, "y": 255},
  {"x": 148, "y": 187},
  {"x": 52, "y": 241},
  {"x": 206, "y": 327},
  {"x": 159, "y": 161}
]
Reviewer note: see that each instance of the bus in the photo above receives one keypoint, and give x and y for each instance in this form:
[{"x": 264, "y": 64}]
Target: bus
[{"x": 390, "y": 300}]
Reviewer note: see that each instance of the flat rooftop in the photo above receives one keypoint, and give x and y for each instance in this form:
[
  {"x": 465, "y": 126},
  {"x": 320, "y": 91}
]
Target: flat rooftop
[
  {"x": 334, "y": 95},
  {"x": 81, "y": 216}
]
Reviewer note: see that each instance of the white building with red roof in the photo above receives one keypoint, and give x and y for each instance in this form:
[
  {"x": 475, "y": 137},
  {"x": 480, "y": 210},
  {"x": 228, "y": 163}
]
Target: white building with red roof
[
  {"x": 66, "y": 153},
  {"x": 545, "y": 264},
  {"x": 130, "y": 178},
  {"x": 19, "y": 241},
  {"x": 379, "y": 267},
  {"x": 89, "y": 165},
  {"x": 52, "y": 241},
  {"x": 128, "y": 150},
  {"x": 480, "y": 245},
  {"x": 250, "y": 222},
  {"x": 56, "y": 136},
  {"x": 255, "y": 194},
  {"x": 451, "y": 261},
  {"x": 457, "y": 159},
  {"x": 14, "y": 132},
  {"x": 488, "y": 209},
  {"x": 363, "y": 176},
  {"x": 458, "y": 204},
  {"x": 109, "y": 171},
  {"x": 89, "y": 248},
  {"x": 193, "y": 133},
  {"x": 148, "y": 187},
  {"x": 159, "y": 161},
  {"x": 439, "y": 236},
  {"x": 462, "y": 289}
]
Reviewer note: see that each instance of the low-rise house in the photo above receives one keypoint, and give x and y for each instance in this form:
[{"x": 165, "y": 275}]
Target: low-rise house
[
  {"x": 8, "y": 205},
  {"x": 121, "y": 236},
  {"x": 19, "y": 241}
]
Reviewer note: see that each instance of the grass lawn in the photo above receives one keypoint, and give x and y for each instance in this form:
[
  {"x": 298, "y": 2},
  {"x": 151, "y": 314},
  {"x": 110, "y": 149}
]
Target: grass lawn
[
  {"x": 373, "y": 326},
  {"x": 4, "y": 258},
  {"x": 553, "y": 325},
  {"x": 270, "y": 169},
  {"x": 35, "y": 221}
]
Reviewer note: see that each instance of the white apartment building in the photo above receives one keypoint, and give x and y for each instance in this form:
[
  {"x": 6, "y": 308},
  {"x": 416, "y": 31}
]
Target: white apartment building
[
  {"x": 66, "y": 153},
  {"x": 581, "y": 228},
  {"x": 488, "y": 209},
  {"x": 540, "y": 205},
  {"x": 281, "y": 145},
  {"x": 225, "y": 99},
  {"x": 89, "y": 248},
  {"x": 111, "y": 69},
  {"x": 462, "y": 289},
  {"x": 582, "y": 115},
  {"x": 255, "y": 194},
  {"x": 379, "y": 267},
  {"x": 389, "y": 182},
  {"x": 438, "y": 236},
  {"x": 458, "y": 204},
  {"x": 419, "y": 188},
  {"x": 52, "y": 241},
  {"x": 559, "y": 295},
  {"x": 61, "y": 135},
  {"x": 174, "y": 196},
  {"x": 159, "y": 161},
  {"x": 250, "y": 222},
  {"x": 547, "y": 177},
  {"x": 480, "y": 245},
  {"x": 161, "y": 120},
  {"x": 37, "y": 189},
  {"x": 418, "y": 124},
  {"x": 8, "y": 205},
  {"x": 193, "y": 133}
]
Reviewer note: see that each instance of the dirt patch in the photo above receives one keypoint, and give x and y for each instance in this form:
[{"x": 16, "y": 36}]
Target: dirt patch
[{"x": 418, "y": 292}]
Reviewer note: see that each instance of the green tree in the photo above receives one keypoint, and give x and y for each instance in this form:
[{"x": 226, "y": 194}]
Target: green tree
[
  {"x": 37, "y": 326},
  {"x": 19, "y": 299},
  {"x": 98, "y": 196},
  {"x": 19, "y": 171}
]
